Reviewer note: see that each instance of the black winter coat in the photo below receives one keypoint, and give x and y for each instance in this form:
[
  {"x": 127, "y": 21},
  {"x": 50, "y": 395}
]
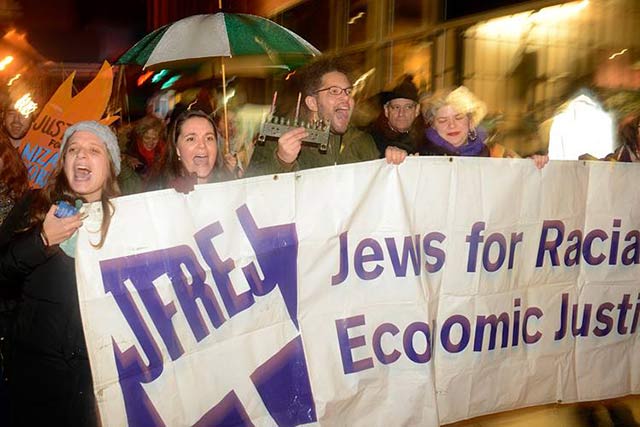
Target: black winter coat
[
  {"x": 384, "y": 136},
  {"x": 49, "y": 375}
]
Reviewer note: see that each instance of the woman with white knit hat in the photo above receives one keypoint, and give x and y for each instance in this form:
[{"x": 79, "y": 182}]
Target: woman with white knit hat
[{"x": 49, "y": 374}]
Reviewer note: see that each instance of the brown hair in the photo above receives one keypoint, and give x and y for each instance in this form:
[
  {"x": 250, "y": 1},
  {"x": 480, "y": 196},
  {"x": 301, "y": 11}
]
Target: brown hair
[
  {"x": 628, "y": 131},
  {"x": 148, "y": 123},
  {"x": 58, "y": 188},
  {"x": 14, "y": 172},
  {"x": 310, "y": 76},
  {"x": 176, "y": 169}
]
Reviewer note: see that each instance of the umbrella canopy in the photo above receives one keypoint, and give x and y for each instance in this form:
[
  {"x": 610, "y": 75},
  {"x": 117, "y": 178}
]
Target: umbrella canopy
[
  {"x": 202, "y": 37},
  {"x": 227, "y": 36}
]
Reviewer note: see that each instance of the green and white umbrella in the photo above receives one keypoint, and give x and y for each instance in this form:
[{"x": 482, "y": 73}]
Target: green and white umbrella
[
  {"x": 225, "y": 35},
  {"x": 250, "y": 44}
]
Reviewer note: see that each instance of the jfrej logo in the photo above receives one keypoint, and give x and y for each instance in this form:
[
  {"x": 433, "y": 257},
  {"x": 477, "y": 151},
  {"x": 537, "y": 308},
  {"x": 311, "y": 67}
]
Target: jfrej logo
[{"x": 282, "y": 381}]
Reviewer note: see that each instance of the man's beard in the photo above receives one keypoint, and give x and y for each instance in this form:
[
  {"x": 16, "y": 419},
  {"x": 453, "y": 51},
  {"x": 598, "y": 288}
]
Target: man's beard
[{"x": 14, "y": 135}]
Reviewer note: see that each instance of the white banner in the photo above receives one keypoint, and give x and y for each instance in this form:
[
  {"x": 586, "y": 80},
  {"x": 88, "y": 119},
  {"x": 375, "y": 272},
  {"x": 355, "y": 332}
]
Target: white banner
[{"x": 368, "y": 294}]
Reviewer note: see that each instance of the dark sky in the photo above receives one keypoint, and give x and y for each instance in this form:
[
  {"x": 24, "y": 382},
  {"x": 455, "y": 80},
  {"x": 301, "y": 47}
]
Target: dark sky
[{"x": 82, "y": 30}]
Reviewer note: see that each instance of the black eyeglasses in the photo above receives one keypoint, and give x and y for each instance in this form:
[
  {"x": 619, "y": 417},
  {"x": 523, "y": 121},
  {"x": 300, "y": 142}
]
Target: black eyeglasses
[{"x": 336, "y": 91}]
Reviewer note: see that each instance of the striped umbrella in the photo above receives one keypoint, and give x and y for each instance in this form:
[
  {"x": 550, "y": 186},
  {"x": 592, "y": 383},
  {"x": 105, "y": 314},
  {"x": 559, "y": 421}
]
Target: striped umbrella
[
  {"x": 259, "y": 42},
  {"x": 201, "y": 37}
]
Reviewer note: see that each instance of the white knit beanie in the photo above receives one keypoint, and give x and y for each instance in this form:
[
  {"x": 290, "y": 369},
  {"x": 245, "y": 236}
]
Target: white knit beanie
[{"x": 101, "y": 131}]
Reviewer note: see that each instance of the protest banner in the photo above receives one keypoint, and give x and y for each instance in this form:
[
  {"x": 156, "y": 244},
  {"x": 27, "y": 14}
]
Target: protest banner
[
  {"x": 39, "y": 147},
  {"x": 367, "y": 294}
]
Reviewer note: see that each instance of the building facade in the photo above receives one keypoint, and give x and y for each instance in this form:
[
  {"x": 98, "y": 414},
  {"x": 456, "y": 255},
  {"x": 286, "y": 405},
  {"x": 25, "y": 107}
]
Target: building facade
[{"x": 525, "y": 59}]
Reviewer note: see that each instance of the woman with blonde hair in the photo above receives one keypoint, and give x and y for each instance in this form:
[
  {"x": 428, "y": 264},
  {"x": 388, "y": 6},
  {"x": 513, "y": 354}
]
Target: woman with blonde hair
[{"x": 453, "y": 118}]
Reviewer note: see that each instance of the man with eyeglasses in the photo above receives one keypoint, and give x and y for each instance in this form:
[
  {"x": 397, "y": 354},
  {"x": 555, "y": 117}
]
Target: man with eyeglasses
[
  {"x": 327, "y": 93},
  {"x": 397, "y": 125}
]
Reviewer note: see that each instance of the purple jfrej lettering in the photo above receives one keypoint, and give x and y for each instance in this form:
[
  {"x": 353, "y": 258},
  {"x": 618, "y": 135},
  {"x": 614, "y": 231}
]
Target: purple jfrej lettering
[
  {"x": 276, "y": 249},
  {"x": 188, "y": 293},
  {"x": 220, "y": 271}
]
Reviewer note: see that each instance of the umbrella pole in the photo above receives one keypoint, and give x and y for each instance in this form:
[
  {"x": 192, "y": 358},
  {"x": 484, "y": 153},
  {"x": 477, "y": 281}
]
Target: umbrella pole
[{"x": 224, "y": 106}]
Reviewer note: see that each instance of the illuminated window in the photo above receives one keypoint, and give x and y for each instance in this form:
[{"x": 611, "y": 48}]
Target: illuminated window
[{"x": 413, "y": 57}]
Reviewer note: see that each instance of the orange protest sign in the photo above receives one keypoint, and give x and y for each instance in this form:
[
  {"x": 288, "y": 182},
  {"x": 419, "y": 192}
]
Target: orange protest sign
[{"x": 40, "y": 146}]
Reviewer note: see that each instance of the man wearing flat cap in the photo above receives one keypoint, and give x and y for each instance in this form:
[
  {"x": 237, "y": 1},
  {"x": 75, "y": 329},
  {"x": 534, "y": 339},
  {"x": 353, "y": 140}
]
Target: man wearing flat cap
[{"x": 397, "y": 125}]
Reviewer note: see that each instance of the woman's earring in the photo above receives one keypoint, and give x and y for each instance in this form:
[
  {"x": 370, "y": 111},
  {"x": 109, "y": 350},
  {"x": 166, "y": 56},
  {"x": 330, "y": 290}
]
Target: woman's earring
[{"x": 473, "y": 134}]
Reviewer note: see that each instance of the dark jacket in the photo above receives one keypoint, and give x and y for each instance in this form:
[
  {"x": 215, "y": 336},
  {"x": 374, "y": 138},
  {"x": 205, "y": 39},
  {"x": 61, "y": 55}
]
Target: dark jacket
[
  {"x": 186, "y": 183},
  {"x": 129, "y": 181},
  {"x": 384, "y": 136},
  {"x": 144, "y": 176},
  {"x": 625, "y": 154},
  {"x": 49, "y": 377},
  {"x": 352, "y": 147}
]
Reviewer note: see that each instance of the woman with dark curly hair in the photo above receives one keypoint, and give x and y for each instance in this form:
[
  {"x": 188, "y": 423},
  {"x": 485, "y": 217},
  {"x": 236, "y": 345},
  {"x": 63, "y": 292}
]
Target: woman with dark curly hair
[{"x": 14, "y": 182}]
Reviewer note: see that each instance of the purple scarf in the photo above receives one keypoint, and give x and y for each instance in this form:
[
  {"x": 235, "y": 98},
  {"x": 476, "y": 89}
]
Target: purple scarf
[{"x": 470, "y": 148}]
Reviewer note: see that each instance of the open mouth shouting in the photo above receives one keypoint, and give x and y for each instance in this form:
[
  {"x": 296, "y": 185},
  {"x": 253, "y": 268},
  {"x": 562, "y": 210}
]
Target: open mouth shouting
[
  {"x": 86, "y": 165},
  {"x": 197, "y": 147},
  {"x": 201, "y": 160},
  {"x": 81, "y": 173},
  {"x": 200, "y": 164},
  {"x": 340, "y": 120}
]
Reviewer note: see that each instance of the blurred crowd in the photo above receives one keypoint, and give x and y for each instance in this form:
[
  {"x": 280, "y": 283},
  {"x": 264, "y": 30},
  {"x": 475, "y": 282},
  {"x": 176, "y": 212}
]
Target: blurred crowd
[{"x": 45, "y": 361}]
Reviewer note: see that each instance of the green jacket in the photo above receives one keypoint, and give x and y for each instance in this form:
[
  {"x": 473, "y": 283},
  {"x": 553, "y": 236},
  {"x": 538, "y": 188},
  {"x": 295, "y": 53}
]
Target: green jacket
[
  {"x": 354, "y": 146},
  {"x": 129, "y": 181}
]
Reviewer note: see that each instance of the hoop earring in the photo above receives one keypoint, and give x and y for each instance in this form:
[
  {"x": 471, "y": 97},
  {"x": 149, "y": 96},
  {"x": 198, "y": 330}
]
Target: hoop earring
[{"x": 473, "y": 135}]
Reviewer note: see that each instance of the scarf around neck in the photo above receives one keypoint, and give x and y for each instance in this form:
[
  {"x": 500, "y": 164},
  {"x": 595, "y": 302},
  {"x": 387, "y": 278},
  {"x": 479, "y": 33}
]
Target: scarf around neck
[
  {"x": 151, "y": 156},
  {"x": 469, "y": 148}
]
